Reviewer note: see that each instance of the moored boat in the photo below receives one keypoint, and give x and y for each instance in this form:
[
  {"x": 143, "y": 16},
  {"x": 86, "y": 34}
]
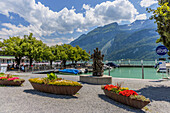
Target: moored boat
[{"x": 69, "y": 71}]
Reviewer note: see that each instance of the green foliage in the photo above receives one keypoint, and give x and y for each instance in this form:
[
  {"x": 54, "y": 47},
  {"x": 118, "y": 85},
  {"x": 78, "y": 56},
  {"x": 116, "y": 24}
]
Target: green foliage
[
  {"x": 36, "y": 50},
  {"x": 1, "y": 44},
  {"x": 52, "y": 79},
  {"x": 28, "y": 46},
  {"x": 139, "y": 97},
  {"x": 14, "y": 46},
  {"x": 18, "y": 80},
  {"x": 51, "y": 76},
  {"x": 2, "y": 73},
  {"x": 15, "y": 75},
  {"x": 68, "y": 52},
  {"x": 77, "y": 54},
  {"x": 36, "y": 80},
  {"x": 65, "y": 83},
  {"x": 33, "y": 48},
  {"x": 162, "y": 18}
]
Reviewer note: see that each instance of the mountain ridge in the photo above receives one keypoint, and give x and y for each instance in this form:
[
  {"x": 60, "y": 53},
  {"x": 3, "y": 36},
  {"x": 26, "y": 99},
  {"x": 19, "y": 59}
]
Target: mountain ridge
[{"x": 130, "y": 41}]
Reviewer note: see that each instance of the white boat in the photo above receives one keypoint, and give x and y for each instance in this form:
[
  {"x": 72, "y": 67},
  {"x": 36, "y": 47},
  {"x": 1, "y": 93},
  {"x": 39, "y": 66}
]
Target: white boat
[
  {"x": 162, "y": 66},
  {"x": 161, "y": 70}
]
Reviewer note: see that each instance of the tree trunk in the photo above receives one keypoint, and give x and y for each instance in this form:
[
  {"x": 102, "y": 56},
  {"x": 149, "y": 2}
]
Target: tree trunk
[
  {"x": 51, "y": 62},
  {"x": 75, "y": 64},
  {"x": 18, "y": 60},
  {"x": 64, "y": 62},
  {"x": 30, "y": 61}
]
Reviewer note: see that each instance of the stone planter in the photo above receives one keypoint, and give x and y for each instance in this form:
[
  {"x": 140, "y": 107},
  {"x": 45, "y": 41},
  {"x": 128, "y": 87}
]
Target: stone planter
[
  {"x": 11, "y": 83},
  {"x": 126, "y": 100},
  {"x": 59, "y": 90}
]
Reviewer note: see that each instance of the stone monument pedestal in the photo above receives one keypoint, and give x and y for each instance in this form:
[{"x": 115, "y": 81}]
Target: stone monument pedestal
[{"x": 100, "y": 80}]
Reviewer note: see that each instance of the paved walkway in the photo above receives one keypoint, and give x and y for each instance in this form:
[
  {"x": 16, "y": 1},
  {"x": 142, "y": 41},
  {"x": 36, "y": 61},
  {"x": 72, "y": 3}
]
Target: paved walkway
[{"x": 90, "y": 99}]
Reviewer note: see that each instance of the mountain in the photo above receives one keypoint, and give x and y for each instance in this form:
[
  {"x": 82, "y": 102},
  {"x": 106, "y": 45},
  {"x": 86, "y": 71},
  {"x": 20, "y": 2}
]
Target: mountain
[{"x": 131, "y": 41}]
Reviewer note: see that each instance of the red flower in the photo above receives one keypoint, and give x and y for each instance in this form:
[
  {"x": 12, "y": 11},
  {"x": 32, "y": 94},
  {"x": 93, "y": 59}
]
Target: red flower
[
  {"x": 109, "y": 87},
  {"x": 3, "y": 78},
  {"x": 13, "y": 78},
  {"x": 127, "y": 93}
]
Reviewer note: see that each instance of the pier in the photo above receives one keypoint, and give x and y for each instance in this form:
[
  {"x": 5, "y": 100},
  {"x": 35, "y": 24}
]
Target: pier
[
  {"x": 45, "y": 71},
  {"x": 135, "y": 65}
]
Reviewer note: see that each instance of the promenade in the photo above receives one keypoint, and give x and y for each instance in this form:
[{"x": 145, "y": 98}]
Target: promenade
[{"x": 90, "y": 98}]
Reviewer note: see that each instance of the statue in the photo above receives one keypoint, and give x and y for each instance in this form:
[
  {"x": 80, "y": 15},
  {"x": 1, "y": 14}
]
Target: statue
[{"x": 97, "y": 63}]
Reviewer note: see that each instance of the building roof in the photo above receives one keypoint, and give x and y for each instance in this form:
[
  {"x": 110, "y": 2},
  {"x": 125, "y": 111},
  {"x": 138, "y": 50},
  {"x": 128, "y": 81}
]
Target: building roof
[{"x": 7, "y": 57}]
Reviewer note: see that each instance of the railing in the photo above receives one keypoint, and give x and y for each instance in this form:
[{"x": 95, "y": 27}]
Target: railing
[
  {"x": 40, "y": 68},
  {"x": 118, "y": 62},
  {"x": 133, "y": 62}
]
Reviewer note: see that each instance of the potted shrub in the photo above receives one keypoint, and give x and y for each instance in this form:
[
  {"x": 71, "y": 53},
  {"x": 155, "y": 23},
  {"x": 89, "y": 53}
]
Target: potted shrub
[
  {"x": 9, "y": 80},
  {"x": 125, "y": 96},
  {"x": 53, "y": 84}
]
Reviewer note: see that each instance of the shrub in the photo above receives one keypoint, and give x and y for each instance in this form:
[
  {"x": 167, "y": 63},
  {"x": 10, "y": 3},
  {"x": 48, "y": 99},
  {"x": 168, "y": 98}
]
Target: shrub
[
  {"x": 139, "y": 97},
  {"x": 36, "y": 80},
  {"x": 3, "y": 78},
  {"x": 52, "y": 79},
  {"x": 65, "y": 83},
  {"x": 52, "y": 76},
  {"x": 18, "y": 80},
  {"x": 124, "y": 91},
  {"x": 11, "y": 78}
]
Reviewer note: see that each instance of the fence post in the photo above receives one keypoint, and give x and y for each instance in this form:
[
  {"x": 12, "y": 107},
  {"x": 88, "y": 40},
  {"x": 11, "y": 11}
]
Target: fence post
[
  {"x": 142, "y": 69},
  {"x": 32, "y": 68},
  {"x": 155, "y": 61},
  {"x": 109, "y": 70}
]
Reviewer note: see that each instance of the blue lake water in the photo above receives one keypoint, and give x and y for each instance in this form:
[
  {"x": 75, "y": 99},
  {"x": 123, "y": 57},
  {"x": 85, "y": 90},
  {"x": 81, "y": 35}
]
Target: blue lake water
[{"x": 135, "y": 72}]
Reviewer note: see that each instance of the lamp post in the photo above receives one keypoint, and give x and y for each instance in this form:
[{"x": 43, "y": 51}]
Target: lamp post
[{"x": 142, "y": 69}]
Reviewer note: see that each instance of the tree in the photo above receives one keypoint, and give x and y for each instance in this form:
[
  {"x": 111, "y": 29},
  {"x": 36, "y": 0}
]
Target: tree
[
  {"x": 14, "y": 46},
  {"x": 163, "y": 1},
  {"x": 48, "y": 55},
  {"x": 64, "y": 53},
  {"x": 81, "y": 54},
  {"x": 33, "y": 48},
  {"x": 74, "y": 54},
  {"x": 1, "y": 44},
  {"x": 162, "y": 18},
  {"x": 52, "y": 53}
]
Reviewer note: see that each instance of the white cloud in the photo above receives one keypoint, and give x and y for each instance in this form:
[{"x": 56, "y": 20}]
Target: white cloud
[
  {"x": 107, "y": 12},
  {"x": 147, "y": 3},
  {"x": 141, "y": 17},
  {"x": 19, "y": 30},
  {"x": 59, "y": 41},
  {"x": 86, "y": 7},
  {"x": 11, "y": 17},
  {"x": 64, "y": 21},
  {"x": 44, "y": 22}
]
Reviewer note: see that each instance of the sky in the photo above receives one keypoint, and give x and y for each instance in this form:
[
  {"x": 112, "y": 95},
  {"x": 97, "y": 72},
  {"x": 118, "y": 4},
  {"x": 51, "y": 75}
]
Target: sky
[{"x": 62, "y": 21}]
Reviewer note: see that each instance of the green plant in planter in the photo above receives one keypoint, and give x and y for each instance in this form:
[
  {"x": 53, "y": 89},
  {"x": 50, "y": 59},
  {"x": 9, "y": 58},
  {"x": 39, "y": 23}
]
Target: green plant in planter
[
  {"x": 2, "y": 74},
  {"x": 139, "y": 97},
  {"x": 52, "y": 79},
  {"x": 51, "y": 76},
  {"x": 18, "y": 80},
  {"x": 65, "y": 83},
  {"x": 36, "y": 80}
]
